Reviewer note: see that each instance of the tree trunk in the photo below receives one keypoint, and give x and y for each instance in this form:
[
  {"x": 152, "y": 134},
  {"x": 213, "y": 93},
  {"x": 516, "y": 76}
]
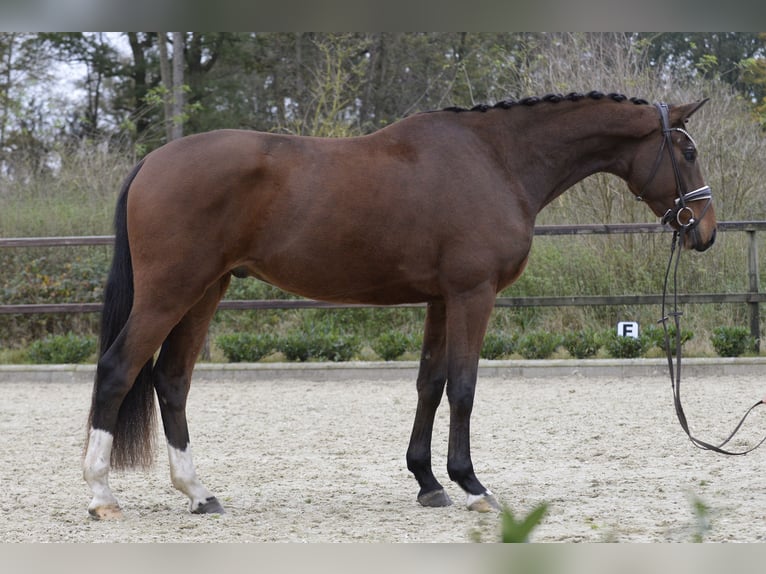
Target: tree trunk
[
  {"x": 138, "y": 47},
  {"x": 5, "y": 95},
  {"x": 167, "y": 83},
  {"x": 178, "y": 84}
]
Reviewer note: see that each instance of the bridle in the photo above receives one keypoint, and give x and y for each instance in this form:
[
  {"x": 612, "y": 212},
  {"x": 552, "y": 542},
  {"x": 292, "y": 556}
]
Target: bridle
[
  {"x": 680, "y": 212},
  {"x": 684, "y": 217}
]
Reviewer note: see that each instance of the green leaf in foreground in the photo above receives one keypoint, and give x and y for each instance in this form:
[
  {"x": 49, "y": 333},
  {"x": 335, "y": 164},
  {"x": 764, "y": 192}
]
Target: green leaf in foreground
[{"x": 518, "y": 531}]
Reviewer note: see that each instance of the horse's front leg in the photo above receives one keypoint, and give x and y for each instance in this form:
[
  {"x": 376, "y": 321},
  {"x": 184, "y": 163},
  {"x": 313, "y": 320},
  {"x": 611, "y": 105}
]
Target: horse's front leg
[
  {"x": 431, "y": 379},
  {"x": 467, "y": 318}
]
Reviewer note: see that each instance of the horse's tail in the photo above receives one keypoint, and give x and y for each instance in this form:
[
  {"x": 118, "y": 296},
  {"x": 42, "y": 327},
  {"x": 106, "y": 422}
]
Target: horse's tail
[{"x": 134, "y": 433}]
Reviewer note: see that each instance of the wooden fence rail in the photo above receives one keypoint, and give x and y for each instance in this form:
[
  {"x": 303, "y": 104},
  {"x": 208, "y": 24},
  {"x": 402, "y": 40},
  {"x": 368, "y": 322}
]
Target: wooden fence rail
[{"x": 753, "y": 297}]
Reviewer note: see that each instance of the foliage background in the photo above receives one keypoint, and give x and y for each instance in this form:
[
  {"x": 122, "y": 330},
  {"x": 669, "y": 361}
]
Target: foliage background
[{"x": 64, "y": 152}]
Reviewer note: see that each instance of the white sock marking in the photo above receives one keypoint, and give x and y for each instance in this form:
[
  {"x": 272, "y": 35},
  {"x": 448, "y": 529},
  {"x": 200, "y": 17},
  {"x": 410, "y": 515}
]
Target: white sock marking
[
  {"x": 184, "y": 476},
  {"x": 473, "y": 498},
  {"x": 96, "y": 468}
]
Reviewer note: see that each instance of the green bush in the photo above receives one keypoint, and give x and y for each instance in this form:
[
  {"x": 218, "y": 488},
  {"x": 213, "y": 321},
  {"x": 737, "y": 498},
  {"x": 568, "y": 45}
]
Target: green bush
[
  {"x": 582, "y": 344},
  {"x": 69, "y": 348},
  {"x": 655, "y": 336},
  {"x": 538, "y": 345},
  {"x": 335, "y": 347},
  {"x": 50, "y": 275},
  {"x": 295, "y": 347},
  {"x": 497, "y": 345},
  {"x": 391, "y": 345},
  {"x": 621, "y": 347},
  {"x": 731, "y": 341},
  {"x": 324, "y": 346},
  {"x": 246, "y": 347}
]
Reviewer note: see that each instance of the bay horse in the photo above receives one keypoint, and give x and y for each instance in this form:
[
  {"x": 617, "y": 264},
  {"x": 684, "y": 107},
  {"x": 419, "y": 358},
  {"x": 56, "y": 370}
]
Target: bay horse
[{"x": 437, "y": 208}]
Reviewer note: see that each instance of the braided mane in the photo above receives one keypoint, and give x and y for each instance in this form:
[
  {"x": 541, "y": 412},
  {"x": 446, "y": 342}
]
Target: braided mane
[{"x": 549, "y": 98}]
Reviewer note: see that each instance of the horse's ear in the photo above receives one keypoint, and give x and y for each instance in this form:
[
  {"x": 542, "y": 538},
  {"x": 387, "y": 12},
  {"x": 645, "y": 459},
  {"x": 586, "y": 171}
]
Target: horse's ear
[{"x": 679, "y": 114}]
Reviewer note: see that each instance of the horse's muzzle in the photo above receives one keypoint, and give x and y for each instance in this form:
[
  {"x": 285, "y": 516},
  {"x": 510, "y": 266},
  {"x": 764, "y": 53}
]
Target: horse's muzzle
[{"x": 698, "y": 244}]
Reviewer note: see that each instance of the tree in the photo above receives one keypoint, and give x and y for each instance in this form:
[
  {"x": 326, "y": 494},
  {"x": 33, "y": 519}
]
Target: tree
[
  {"x": 138, "y": 80},
  {"x": 734, "y": 57},
  {"x": 99, "y": 58},
  {"x": 172, "y": 84},
  {"x": 310, "y": 82},
  {"x": 167, "y": 84},
  {"x": 23, "y": 73},
  {"x": 178, "y": 85},
  {"x": 8, "y": 45}
]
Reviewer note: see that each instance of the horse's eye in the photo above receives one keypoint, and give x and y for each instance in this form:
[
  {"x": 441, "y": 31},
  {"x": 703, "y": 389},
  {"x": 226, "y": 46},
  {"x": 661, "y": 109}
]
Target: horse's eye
[{"x": 690, "y": 154}]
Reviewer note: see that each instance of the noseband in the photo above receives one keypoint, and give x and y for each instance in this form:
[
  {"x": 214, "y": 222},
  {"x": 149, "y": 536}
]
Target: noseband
[{"x": 680, "y": 212}]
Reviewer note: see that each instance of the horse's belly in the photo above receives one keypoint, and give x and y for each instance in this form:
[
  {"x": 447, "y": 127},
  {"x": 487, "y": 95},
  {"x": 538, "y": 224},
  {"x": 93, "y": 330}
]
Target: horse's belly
[{"x": 345, "y": 281}]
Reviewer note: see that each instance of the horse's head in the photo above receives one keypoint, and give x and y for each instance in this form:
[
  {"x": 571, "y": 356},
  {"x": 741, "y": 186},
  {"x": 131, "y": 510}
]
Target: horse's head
[{"x": 666, "y": 175}]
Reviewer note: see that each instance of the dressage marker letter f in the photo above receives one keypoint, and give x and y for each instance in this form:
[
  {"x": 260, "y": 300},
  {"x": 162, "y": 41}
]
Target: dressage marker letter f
[{"x": 627, "y": 329}]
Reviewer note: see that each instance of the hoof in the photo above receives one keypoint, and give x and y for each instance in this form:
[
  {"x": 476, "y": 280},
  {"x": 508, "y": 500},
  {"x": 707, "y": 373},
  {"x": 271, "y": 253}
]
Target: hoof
[
  {"x": 106, "y": 512},
  {"x": 435, "y": 498},
  {"x": 483, "y": 502},
  {"x": 210, "y": 506}
]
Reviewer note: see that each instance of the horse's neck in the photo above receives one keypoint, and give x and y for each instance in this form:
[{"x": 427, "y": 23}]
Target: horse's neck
[{"x": 575, "y": 142}]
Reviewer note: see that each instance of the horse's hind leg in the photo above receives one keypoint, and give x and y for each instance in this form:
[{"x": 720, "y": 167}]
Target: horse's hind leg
[
  {"x": 172, "y": 379},
  {"x": 431, "y": 379},
  {"x": 125, "y": 368}
]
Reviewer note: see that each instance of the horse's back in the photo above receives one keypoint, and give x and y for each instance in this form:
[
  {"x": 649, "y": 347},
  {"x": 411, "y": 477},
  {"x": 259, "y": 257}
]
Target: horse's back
[{"x": 373, "y": 219}]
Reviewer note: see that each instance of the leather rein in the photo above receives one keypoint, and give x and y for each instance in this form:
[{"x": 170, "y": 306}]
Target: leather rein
[{"x": 684, "y": 217}]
